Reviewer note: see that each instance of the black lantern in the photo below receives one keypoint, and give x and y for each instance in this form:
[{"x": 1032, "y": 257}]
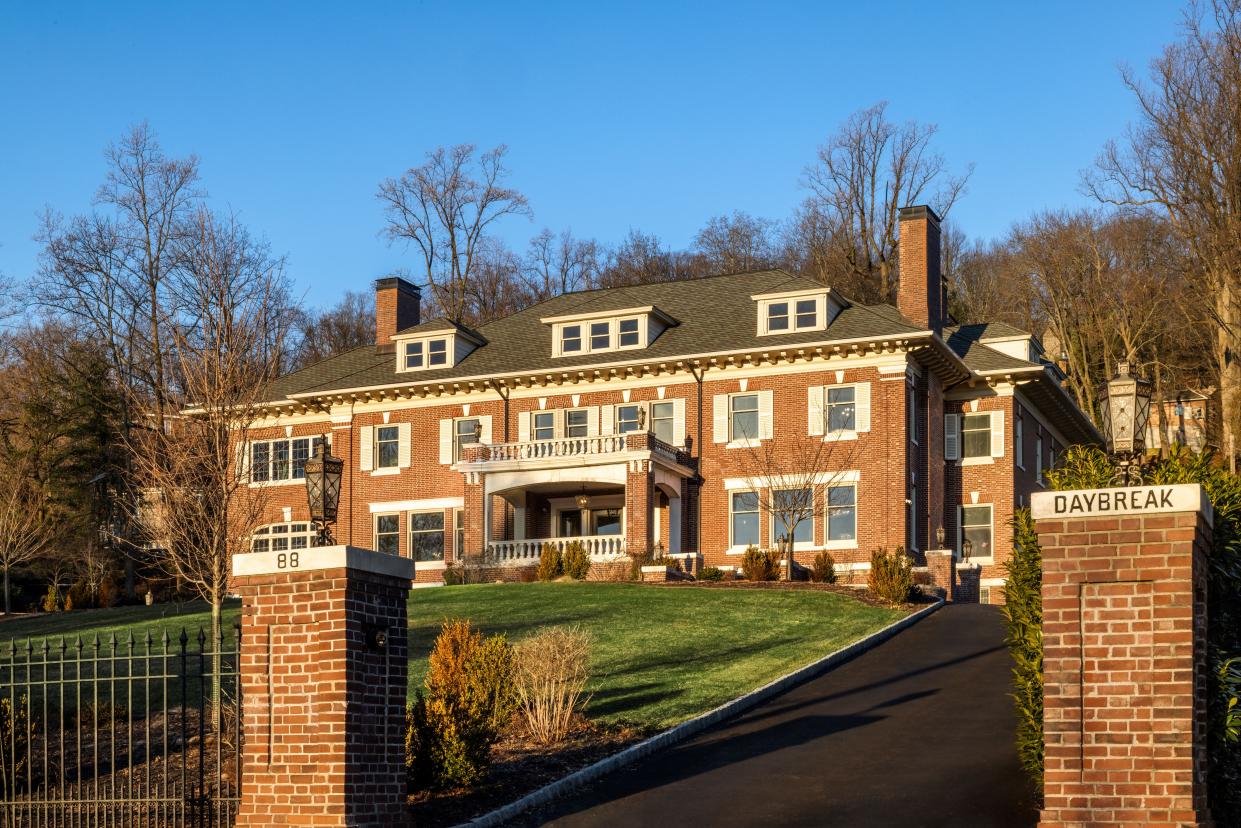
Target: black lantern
[
  {"x": 967, "y": 549},
  {"x": 1124, "y": 408},
  {"x": 939, "y": 537},
  {"x": 323, "y": 473}
]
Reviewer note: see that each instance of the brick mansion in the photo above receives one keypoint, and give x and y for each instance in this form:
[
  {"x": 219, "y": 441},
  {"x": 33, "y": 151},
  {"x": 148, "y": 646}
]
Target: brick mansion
[{"x": 670, "y": 417}]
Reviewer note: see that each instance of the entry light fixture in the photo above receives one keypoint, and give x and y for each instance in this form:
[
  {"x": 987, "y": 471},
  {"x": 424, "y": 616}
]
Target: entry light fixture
[
  {"x": 967, "y": 549},
  {"x": 323, "y": 472},
  {"x": 1124, "y": 412},
  {"x": 582, "y": 499}
]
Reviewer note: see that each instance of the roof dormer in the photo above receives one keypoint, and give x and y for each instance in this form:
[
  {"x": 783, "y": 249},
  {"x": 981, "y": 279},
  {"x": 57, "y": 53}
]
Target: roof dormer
[
  {"x": 796, "y": 311},
  {"x": 439, "y": 343},
  {"x": 624, "y": 329}
]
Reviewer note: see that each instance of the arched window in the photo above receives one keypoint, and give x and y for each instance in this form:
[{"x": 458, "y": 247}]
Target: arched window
[{"x": 279, "y": 537}]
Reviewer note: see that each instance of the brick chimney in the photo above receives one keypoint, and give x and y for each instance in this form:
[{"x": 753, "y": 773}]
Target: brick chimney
[
  {"x": 922, "y": 295},
  {"x": 397, "y": 306}
]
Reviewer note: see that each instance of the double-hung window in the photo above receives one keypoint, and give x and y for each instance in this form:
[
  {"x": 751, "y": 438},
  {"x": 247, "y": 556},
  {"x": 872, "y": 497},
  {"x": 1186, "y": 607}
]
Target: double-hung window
[
  {"x": 976, "y": 435},
  {"x": 840, "y": 408},
  {"x": 627, "y": 417},
  {"x": 570, "y": 339},
  {"x": 743, "y": 417},
  {"x": 1019, "y": 440},
  {"x": 842, "y": 513},
  {"x": 662, "y": 422},
  {"x": 793, "y": 513},
  {"x": 413, "y": 355},
  {"x": 807, "y": 313},
  {"x": 544, "y": 425},
  {"x": 744, "y": 518},
  {"x": 778, "y": 316},
  {"x": 387, "y": 447},
  {"x": 465, "y": 432},
  {"x": 627, "y": 333},
  {"x": 426, "y": 535},
  {"x": 600, "y": 336},
  {"x": 275, "y": 460},
  {"x": 437, "y": 352},
  {"x": 791, "y": 313},
  {"x": 388, "y": 533},
  {"x": 458, "y": 525},
  {"x": 976, "y": 528},
  {"x": 576, "y": 422}
]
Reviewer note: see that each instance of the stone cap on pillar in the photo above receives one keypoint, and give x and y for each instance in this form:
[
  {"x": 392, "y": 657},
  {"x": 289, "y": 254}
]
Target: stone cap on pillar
[
  {"x": 1127, "y": 500},
  {"x": 320, "y": 558}
]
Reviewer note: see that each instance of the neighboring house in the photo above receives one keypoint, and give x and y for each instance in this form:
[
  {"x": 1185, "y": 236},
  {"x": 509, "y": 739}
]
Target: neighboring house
[
  {"x": 1185, "y": 419},
  {"x": 630, "y": 418}
]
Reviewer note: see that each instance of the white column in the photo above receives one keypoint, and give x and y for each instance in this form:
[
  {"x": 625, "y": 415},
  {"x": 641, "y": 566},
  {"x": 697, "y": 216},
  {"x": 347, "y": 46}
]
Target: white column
[{"x": 655, "y": 519}]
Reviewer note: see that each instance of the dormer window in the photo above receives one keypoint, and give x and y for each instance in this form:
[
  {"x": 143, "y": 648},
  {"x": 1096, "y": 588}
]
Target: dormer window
[
  {"x": 795, "y": 311},
  {"x": 436, "y": 348},
  {"x": 437, "y": 352},
  {"x": 600, "y": 332},
  {"x": 424, "y": 353}
]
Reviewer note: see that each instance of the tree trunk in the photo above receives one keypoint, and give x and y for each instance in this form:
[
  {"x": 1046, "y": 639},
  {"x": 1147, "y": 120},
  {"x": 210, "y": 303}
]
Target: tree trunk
[
  {"x": 1228, "y": 360},
  {"x": 6, "y": 588},
  {"x": 216, "y": 661}
]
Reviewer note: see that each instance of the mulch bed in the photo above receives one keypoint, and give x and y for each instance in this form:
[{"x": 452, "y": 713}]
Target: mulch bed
[
  {"x": 518, "y": 768},
  {"x": 857, "y": 593}
]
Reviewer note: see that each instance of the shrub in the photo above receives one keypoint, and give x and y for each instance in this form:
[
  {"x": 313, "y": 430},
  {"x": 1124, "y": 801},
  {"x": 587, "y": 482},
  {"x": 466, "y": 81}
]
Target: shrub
[
  {"x": 551, "y": 672},
  {"x": 823, "y": 571},
  {"x": 637, "y": 561},
  {"x": 891, "y": 575},
  {"x": 51, "y": 601},
  {"x": 550, "y": 564},
  {"x": 1023, "y": 611},
  {"x": 107, "y": 593},
  {"x": 760, "y": 565},
  {"x": 711, "y": 573},
  {"x": 468, "y": 698},
  {"x": 80, "y": 596},
  {"x": 16, "y": 730},
  {"x": 576, "y": 561}
]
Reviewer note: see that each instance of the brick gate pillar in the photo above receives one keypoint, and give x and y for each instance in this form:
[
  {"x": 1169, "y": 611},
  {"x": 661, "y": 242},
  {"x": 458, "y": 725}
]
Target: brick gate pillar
[
  {"x": 1124, "y": 655},
  {"x": 324, "y": 647}
]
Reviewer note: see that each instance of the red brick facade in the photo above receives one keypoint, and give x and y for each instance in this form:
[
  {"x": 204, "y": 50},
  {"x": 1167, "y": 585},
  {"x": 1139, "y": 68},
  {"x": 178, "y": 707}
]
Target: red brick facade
[{"x": 1124, "y": 639}]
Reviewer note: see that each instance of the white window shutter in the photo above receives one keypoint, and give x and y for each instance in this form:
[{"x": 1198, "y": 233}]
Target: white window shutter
[
  {"x": 558, "y": 424},
  {"x": 720, "y": 418},
  {"x": 861, "y": 407},
  {"x": 592, "y": 421},
  {"x": 814, "y": 411},
  {"x": 678, "y": 422},
  {"x": 243, "y": 461},
  {"x": 997, "y": 433},
  {"x": 523, "y": 427},
  {"x": 367, "y": 454},
  {"x": 446, "y": 436},
  {"x": 952, "y": 436},
  {"x": 402, "y": 446},
  {"x": 765, "y": 425},
  {"x": 484, "y": 429},
  {"x": 607, "y": 419}
]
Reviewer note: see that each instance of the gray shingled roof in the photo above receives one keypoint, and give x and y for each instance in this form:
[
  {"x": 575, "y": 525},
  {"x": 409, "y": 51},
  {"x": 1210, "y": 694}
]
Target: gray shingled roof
[
  {"x": 965, "y": 341},
  {"x": 714, "y": 314}
]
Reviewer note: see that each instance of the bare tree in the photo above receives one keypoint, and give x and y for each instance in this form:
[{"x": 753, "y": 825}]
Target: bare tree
[
  {"x": 223, "y": 354},
  {"x": 792, "y": 480},
  {"x": 25, "y": 526},
  {"x": 1183, "y": 157},
  {"x": 864, "y": 174},
  {"x": 557, "y": 264},
  {"x": 498, "y": 288},
  {"x": 737, "y": 243},
  {"x": 641, "y": 259},
  {"x": 445, "y": 208},
  {"x": 349, "y": 323}
]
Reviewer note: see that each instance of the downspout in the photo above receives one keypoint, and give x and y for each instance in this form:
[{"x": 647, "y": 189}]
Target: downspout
[{"x": 698, "y": 372}]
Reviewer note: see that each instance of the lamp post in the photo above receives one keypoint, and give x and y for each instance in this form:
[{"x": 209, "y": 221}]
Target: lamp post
[
  {"x": 1124, "y": 408},
  {"x": 323, "y": 473}
]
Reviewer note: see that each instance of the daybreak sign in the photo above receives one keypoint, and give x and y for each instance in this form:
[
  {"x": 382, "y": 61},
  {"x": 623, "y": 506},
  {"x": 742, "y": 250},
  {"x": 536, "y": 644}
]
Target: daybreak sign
[{"x": 1131, "y": 500}]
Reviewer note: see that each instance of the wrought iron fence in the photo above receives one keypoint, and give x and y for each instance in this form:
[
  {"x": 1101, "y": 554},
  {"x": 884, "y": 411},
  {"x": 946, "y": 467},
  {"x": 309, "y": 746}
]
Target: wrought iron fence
[{"x": 120, "y": 732}]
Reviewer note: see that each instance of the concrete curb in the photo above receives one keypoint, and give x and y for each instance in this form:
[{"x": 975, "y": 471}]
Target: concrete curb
[{"x": 683, "y": 731}]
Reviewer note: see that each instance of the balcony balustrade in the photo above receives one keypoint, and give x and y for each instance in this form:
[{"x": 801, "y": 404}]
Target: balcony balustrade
[{"x": 521, "y": 552}]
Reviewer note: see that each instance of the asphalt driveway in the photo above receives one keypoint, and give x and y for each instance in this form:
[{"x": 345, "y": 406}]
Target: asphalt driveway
[{"x": 917, "y": 732}]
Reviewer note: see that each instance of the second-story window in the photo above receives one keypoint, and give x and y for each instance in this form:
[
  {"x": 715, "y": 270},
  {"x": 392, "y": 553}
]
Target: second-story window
[
  {"x": 387, "y": 447},
  {"x": 807, "y": 313},
  {"x": 465, "y": 432},
  {"x": 600, "y": 336},
  {"x": 743, "y": 417},
  {"x": 576, "y": 423},
  {"x": 976, "y": 435},
  {"x": 544, "y": 425},
  {"x": 778, "y": 316},
  {"x": 628, "y": 333},
  {"x": 626, "y": 418},
  {"x": 570, "y": 339},
  {"x": 840, "y": 408},
  {"x": 437, "y": 352},
  {"x": 274, "y": 460},
  {"x": 661, "y": 422}
]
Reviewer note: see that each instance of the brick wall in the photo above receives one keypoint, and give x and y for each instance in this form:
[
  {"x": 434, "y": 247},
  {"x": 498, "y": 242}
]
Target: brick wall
[{"x": 1124, "y": 635}]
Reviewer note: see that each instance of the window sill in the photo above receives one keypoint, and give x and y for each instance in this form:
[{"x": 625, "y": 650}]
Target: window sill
[
  {"x": 849, "y": 544},
  {"x": 739, "y": 550},
  {"x": 732, "y": 444},
  {"x": 839, "y": 436},
  {"x": 263, "y": 484},
  {"x": 977, "y": 461},
  {"x": 428, "y": 565},
  {"x": 386, "y": 472}
]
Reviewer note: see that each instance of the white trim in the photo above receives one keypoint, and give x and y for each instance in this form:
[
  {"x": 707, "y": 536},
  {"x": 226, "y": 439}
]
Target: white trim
[
  {"x": 824, "y": 478},
  {"x": 976, "y": 461},
  {"x": 607, "y": 314},
  {"x": 427, "y": 505},
  {"x": 386, "y": 471},
  {"x": 820, "y": 312}
]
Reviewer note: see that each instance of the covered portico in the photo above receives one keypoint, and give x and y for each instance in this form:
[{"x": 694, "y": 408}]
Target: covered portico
[{"x": 615, "y": 495}]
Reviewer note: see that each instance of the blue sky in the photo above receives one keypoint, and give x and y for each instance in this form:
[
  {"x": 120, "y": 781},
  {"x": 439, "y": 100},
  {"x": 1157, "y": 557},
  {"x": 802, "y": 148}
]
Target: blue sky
[{"x": 655, "y": 116}]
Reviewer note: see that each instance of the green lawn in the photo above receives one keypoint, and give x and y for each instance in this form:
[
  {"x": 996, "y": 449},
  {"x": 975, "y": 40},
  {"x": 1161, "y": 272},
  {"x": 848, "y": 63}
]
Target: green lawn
[{"x": 660, "y": 655}]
